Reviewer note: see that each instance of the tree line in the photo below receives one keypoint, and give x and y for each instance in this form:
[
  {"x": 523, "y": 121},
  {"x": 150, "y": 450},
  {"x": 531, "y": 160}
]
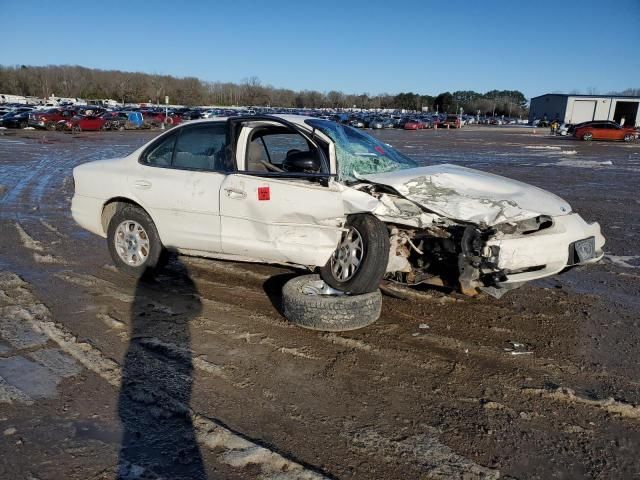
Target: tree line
[{"x": 135, "y": 87}]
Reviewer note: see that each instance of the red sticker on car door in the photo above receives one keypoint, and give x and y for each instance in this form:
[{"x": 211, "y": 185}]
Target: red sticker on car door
[{"x": 264, "y": 193}]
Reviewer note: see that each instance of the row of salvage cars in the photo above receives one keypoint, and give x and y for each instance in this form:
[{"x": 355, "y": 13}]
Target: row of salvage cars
[
  {"x": 73, "y": 119},
  {"x": 316, "y": 194}
]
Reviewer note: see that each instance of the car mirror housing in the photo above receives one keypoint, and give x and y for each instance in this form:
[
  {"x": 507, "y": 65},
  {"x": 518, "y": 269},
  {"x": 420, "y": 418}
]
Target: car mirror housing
[{"x": 303, "y": 162}]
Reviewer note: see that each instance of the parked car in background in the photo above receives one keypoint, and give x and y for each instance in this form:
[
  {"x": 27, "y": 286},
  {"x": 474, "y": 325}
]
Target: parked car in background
[
  {"x": 80, "y": 123},
  {"x": 563, "y": 129},
  {"x": 605, "y": 130},
  {"x": 414, "y": 124},
  {"x": 125, "y": 120},
  {"x": 358, "y": 122},
  {"x": 381, "y": 122},
  {"x": 159, "y": 117},
  {"x": 452, "y": 121},
  {"x": 50, "y": 117},
  {"x": 18, "y": 118}
]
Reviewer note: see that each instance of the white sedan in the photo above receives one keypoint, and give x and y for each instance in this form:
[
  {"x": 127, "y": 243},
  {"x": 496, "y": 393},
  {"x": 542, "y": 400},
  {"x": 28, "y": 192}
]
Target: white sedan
[{"x": 309, "y": 192}]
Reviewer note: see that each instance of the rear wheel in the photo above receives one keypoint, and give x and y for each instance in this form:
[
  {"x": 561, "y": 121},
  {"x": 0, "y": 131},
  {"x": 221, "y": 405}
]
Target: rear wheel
[
  {"x": 50, "y": 126},
  {"x": 360, "y": 261},
  {"x": 133, "y": 241},
  {"x": 76, "y": 129},
  {"x": 628, "y": 137},
  {"x": 587, "y": 137}
]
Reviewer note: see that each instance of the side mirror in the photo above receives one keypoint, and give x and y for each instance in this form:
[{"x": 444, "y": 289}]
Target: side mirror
[{"x": 302, "y": 162}]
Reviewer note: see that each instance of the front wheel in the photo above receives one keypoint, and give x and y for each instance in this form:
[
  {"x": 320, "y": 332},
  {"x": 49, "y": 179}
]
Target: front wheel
[
  {"x": 134, "y": 243},
  {"x": 360, "y": 261},
  {"x": 629, "y": 137},
  {"x": 587, "y": 137}
]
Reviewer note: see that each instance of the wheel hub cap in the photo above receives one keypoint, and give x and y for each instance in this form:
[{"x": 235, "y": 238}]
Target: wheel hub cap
[{"x": 132, "y": 243}]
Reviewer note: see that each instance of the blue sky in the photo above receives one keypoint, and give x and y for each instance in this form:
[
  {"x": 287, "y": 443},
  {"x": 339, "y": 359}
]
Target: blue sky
[{"x": 355, "y": 46}]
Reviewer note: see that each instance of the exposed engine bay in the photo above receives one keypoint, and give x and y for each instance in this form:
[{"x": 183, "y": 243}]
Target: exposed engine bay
[{"x": 430, "y": 249}]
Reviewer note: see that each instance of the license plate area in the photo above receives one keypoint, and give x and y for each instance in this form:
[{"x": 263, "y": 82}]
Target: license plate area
[{"x": 582, "y": 250}]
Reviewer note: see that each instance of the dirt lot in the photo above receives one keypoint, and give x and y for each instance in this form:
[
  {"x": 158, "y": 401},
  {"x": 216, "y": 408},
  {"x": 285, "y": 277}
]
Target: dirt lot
[{"x": 197, "y": 375}]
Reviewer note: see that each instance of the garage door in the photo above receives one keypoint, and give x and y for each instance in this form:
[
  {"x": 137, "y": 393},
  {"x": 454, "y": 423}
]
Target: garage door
[{"x": 583, "y": 111}]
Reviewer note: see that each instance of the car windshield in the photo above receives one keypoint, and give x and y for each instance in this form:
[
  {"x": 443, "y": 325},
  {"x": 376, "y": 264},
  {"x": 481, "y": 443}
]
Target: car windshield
[{"x": 360, "y": 154}]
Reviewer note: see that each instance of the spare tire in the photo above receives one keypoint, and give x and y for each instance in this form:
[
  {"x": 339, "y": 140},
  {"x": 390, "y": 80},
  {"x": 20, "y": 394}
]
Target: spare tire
[
  {"x": 305, "y": 305},
  {"x": 360, "y": 261}
]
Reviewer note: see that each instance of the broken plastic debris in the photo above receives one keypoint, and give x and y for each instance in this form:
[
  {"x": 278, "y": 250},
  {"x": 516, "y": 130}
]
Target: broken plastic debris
[{"x": 518, "y": 349}]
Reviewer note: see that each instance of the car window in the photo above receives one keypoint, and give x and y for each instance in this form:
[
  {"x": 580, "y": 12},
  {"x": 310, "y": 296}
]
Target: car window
[
  {"x": 280, "y": 144},
  {"x": 201, "y": 147},
  {"x": 160, "y": 155}
]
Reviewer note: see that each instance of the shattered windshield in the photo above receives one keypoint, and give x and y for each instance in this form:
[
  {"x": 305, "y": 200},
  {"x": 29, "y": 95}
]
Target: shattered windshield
[{"x": 360, "y": 154}]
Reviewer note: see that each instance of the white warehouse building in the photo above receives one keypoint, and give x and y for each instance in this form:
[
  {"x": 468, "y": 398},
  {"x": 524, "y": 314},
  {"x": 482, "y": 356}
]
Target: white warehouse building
[{"x": 583, "y": 108}]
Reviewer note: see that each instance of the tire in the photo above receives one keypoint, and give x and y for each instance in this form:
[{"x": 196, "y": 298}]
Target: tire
[
  {"x": 23, "y": 124},
  {"x": 373, "y": 256},
  {"x": 329, "y": 313},
  {"x": 50, "y": 126},
  {"x": 151, "y": 249},
  {"x": 587, "y": 137},
  {"x": 628, "y": 137},
  {"x": 76, "y": 129}
]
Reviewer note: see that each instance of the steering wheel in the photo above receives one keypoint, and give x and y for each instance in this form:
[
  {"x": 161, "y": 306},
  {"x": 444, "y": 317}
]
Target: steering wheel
[{"x": 271, "y": 167}]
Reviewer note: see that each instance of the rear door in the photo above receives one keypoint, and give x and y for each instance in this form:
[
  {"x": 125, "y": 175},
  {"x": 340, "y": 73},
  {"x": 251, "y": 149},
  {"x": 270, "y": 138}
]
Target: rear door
[
  {"x": 178, "y": 181},
  {"x": 278, "y": 216}
]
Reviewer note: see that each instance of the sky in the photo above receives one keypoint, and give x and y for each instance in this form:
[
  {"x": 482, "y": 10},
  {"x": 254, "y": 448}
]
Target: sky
[{"x": 371, "y": 46}]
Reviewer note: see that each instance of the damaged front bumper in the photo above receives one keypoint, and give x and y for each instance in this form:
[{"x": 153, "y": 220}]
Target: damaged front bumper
[{"x": 519, "y": 258}]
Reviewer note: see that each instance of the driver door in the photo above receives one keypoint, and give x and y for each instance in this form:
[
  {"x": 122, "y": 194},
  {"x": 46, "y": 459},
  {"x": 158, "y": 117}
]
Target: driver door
[{"x": 278, "y": 216}]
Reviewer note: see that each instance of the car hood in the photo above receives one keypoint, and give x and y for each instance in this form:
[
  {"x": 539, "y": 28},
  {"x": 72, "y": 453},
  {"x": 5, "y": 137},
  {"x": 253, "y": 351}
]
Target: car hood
[{"x": 469, "y": 195}]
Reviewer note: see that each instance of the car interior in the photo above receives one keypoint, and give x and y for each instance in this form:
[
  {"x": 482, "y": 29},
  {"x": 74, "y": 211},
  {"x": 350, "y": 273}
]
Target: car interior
[{"x": 278, "y": 149}]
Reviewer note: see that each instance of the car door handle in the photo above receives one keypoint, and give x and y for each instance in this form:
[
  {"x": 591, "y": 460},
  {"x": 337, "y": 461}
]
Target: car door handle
[
  {"x": 142, "y": 184},
  {"x": 233, "y": 193}
]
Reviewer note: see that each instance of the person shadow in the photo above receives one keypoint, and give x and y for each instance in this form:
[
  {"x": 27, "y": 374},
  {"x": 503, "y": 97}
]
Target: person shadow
[{"x": 159, "y": 440}]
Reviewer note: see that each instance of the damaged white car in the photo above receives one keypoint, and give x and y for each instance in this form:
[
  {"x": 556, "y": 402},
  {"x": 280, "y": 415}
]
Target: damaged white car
[{"x": 308, "y": 192}]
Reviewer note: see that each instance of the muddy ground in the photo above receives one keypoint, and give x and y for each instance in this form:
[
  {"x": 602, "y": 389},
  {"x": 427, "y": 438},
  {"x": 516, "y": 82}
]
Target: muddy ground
[{"x": 197, "y": 375}]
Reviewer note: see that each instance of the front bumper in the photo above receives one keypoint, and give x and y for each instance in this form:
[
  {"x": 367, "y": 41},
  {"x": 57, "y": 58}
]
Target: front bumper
[{"x": 546, "y": 252}]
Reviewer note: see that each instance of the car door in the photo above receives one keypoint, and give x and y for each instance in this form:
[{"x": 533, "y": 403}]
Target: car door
[
  {"x": 278, "y": 216},
  {"x": 178, "y": 181}
]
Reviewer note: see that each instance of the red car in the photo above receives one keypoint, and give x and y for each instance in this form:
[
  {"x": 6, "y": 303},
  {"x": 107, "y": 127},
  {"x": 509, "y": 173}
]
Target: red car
[
  {"x": 605, "y": 131},
  {"x": 49, "y": 118},
  {"x": 85, "y": 123},
  {"x": 452, "y": 121},
  {"x": 158, "y": 117},
  {"x": 414, "y": 125}
]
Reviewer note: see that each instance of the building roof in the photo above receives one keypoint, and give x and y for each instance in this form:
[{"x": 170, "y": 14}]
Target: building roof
[{"x": 634, "y": 97}]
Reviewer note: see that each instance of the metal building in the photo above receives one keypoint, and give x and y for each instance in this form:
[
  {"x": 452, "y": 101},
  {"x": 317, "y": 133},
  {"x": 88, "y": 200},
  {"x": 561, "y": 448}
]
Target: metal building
[{"x": 582, "y": 108}]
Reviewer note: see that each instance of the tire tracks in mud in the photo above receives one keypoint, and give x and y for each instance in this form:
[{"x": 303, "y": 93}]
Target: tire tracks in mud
[
  {"x": 428, "y": 455},
  {"x": 238, "y": 324}
]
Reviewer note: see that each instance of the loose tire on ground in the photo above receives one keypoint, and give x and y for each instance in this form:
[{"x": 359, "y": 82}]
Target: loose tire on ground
[
  {"x": 155, "y": 253},
  {"x": 374, "y": 256},
  {"x": 328, "y": 312}
]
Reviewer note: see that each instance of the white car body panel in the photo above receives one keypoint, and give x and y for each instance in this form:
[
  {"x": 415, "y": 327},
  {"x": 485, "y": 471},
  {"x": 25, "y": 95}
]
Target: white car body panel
[
  {"x": 225, "y": 215},
  {"x": 548, "y": 248},
  {"x": 184, "y": 204},
  {"x": 301, "y": 222}
]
